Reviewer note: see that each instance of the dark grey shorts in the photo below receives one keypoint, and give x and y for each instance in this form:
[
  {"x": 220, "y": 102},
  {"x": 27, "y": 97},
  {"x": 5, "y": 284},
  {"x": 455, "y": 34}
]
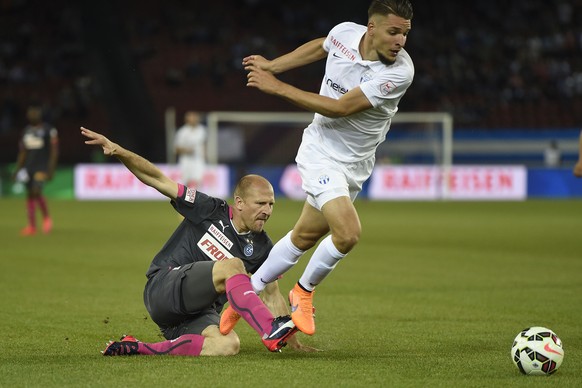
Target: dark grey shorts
[
  {"x": 183, "y": 300},
  {"x": 34, "y": 181}
]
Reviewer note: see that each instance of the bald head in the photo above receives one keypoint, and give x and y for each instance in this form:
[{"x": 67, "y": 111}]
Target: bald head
[
  {"x": 253, "y": 203},
  {"x": 250, "y": 183}
]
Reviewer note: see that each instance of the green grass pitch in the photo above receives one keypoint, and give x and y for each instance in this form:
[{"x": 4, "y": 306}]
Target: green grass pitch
[{"x": 432, "y": 296}]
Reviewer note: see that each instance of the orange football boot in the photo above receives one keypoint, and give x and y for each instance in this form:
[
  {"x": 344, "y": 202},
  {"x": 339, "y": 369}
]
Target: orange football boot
[
  {"x": 47, "y": 225},
  {"x": 302, "y": 309},
  {"x": 28, "y": 231},
  {"x": 228, "y": 320}
]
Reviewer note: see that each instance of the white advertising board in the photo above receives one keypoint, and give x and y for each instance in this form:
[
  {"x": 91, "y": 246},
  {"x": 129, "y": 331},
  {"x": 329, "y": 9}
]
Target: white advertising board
[
  {"x": 463, "y": 183},
  {"x": 426, "y": 183},
  {"x": 115, "y": 181}
]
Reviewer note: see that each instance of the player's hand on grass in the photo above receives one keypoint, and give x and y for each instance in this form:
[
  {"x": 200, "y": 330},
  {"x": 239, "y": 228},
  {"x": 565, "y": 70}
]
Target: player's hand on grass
[
  {"x": 98, "y": 139},
  {"x": 294, "y": 344}
]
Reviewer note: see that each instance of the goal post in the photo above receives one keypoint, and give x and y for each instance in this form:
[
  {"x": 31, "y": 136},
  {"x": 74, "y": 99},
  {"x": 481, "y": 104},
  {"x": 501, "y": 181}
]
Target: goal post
[
  {"x": 425, "y": 124},
  {"x": 215, "y": 118},
  {"x": 444, "y": 119}
]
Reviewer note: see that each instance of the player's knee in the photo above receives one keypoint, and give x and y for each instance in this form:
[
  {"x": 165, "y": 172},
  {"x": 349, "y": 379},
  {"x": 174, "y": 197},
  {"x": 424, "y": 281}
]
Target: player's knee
[
  {"x": 232, "y": 347},
  {"x": 345, "y": 241},
  {"x": 216, "y": 344},
  {"x": 304, "y": 240},
  {"x": 234, "y": 266},
  {"x": 228, "y": 345},
  {"x": 227, "y": 268}
]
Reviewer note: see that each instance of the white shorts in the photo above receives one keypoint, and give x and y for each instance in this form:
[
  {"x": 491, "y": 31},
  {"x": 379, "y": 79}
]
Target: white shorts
[{"x": 325, "y": 179}]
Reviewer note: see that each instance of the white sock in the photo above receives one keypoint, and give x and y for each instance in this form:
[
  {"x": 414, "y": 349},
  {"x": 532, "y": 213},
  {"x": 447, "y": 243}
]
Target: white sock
[
  {"x": 282, "y": 257},
  {"x": 323, "y": 261}
]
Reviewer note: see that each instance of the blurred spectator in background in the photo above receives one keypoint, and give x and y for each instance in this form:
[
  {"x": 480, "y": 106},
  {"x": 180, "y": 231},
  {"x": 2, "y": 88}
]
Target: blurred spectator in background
[
  {"x": 578, "y": 167},
  {"x": 521, "y": 71},
  {"x": 487, "y": 72},
  {"x": 190, "y": 147},
  {"x": 36, "y": 163},
  {"x": 553, "y": 155}
]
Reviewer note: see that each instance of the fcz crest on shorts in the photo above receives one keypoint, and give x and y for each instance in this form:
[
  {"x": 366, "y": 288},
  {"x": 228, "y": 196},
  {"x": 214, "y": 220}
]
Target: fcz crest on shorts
[{"x": 323, "y": 179}]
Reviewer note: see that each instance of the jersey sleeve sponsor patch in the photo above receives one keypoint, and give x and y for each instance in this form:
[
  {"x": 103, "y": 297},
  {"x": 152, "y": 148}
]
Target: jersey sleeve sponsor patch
[
  {"x": 387, "y": 88},
  {"x": 190, "y": 195}
]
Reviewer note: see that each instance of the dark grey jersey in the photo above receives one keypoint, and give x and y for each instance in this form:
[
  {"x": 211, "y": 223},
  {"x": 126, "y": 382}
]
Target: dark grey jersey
[
  {"x": 37, "y": 141},
  {"x": 206, "y": 233}
]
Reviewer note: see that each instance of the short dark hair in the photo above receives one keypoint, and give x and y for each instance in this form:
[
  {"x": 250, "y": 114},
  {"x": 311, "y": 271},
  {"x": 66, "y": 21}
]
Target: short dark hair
[{"x": 402, "y": 8}]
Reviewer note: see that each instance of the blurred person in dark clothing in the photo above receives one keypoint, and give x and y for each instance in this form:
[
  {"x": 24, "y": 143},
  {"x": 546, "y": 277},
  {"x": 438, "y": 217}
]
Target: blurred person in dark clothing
[{"x": 35, "y": 165}]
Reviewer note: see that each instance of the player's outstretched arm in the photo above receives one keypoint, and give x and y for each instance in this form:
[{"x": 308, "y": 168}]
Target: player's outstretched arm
[
  {"x": 303, "y": 55},
  {"x": 144, "y": 170},
  {"x": 352, "y": 102}
]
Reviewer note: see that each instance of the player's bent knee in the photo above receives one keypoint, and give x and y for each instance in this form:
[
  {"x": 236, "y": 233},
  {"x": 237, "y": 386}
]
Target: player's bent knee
[
  {"x": 345, "y": 242},
  {"x": 221, "y": 345},
  {"x": 306, "y": 240},
  {"x": 352, "y": 240},
  {"x": 234, "y": 266},
  {"x": 225, "y": 269},
  {"x": 231, "y": 345},
  {"x": 229, "y": 267}
]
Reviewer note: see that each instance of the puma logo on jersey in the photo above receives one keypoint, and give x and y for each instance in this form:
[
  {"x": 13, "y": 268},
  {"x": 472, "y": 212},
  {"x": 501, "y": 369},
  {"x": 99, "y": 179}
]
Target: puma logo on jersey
[{"x": 223, "y": 226}]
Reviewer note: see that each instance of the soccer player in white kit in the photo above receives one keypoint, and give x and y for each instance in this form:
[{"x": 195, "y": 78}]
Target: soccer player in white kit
[
  {"x": 190, "y": 146},
  {"x": 366, "y": 74}
]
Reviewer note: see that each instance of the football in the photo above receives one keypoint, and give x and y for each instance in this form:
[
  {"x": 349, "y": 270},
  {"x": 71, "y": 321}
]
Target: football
[{"x": 537, "y": 351}]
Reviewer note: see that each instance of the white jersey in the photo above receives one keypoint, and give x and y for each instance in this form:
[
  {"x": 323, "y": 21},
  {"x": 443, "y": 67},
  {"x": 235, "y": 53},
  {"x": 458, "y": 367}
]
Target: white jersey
[
  {"x": 193, "y": 138},
  {"x": 355, "y": 138}
]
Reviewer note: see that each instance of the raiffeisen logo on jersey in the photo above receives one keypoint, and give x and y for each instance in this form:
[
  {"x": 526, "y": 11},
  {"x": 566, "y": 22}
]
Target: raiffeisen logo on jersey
[
  {"x": 343, "y": 49},
  {"x": 220, "y": 236}
]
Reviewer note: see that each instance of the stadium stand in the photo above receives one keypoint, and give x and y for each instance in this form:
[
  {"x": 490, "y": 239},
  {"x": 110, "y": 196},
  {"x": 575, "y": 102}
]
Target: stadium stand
[{"x": 494, "y": 65}]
